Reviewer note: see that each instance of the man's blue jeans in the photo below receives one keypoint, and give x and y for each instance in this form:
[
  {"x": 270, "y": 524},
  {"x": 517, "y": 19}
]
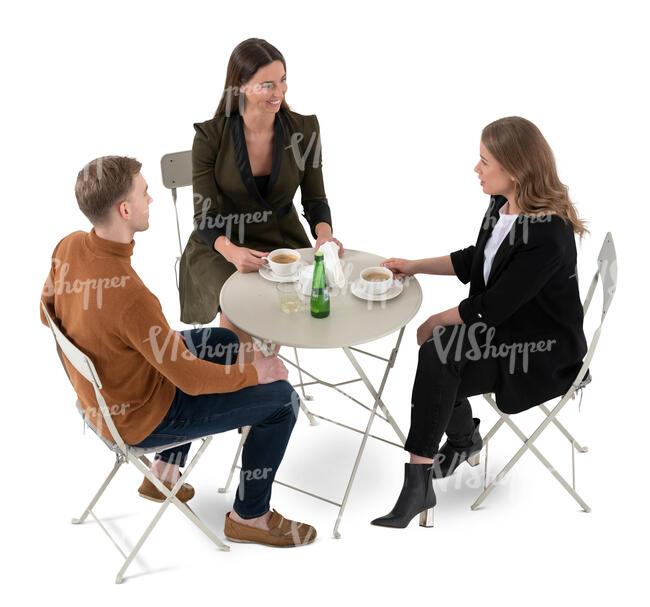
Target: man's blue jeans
[{"x": 270, "y": 410}]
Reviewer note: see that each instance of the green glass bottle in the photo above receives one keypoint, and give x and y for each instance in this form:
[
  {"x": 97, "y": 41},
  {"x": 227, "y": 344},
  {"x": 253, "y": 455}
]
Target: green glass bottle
[{"x": 320, "y": 298}]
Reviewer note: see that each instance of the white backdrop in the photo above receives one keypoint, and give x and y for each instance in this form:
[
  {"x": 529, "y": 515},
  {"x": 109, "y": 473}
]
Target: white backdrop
[{"x": 402, "y": 91}]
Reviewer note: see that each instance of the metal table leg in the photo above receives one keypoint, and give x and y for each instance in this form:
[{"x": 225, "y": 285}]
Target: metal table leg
[{"x": 377, "y": 404}]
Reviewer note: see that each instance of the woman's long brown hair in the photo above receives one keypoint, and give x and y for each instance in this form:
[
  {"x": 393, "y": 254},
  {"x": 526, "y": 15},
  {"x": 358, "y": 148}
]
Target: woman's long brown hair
[
  {"x": 521, "y": 150},
  {"x": 247, "y": 57}
]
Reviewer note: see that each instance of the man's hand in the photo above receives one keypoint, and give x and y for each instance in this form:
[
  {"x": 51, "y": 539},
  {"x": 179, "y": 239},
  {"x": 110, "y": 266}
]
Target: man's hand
[{"x": 270, "y": 369}]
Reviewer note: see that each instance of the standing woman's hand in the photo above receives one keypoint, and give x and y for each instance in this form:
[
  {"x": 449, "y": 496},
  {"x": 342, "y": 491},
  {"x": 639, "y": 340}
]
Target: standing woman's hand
[
  {"x": 246, "y": 260},
  {"x": 400, "y": 267},
  {"x": 324, "y": 233}
]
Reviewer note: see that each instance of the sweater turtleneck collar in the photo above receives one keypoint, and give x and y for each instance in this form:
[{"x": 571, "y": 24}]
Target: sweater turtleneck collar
[{"x": 104, "y": 247}]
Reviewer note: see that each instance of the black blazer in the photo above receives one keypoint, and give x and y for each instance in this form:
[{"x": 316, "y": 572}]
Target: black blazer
[{"x": 529, "y": 315}]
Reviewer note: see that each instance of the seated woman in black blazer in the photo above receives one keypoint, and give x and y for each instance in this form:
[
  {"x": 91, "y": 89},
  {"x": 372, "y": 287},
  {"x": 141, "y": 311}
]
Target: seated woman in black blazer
[
  {"x": 518, "y": 334},
  {"x": 247, "y": 163}
]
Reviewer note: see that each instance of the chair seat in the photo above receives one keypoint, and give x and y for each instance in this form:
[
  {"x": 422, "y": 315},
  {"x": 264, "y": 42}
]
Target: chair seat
[{"x": 136, "y": 451}]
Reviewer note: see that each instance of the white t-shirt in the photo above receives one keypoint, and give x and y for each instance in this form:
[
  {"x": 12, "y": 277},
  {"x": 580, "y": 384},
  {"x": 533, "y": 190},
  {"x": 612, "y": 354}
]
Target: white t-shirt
[{"x": 498, "y": 235}]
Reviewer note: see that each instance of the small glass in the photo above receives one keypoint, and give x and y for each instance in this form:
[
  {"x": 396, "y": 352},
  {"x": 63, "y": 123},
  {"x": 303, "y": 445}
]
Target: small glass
[{"x": 290, "y": 297}]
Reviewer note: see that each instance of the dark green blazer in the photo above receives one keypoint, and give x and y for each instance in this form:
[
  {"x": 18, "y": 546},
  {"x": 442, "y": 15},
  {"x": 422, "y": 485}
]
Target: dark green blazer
[{"x": 227, "y": 202}]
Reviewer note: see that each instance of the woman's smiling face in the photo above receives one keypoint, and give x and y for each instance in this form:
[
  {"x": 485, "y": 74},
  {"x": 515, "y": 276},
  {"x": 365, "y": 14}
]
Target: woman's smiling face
[
  {"x": 266, "y": 89},
  {"x": 494, "y": 180}
]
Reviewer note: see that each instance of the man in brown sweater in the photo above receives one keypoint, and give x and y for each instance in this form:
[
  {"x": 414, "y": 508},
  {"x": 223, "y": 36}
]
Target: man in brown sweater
[{"x": 162, "y": 386}]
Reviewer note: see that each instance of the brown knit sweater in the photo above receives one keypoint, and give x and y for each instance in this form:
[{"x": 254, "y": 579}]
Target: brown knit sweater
[{"x": 102, "y": 306}]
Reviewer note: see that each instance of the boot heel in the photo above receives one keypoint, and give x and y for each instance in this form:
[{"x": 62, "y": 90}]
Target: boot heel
[
  {"x": 426, "y": 518},
  {"x": 474, "y": 460}
]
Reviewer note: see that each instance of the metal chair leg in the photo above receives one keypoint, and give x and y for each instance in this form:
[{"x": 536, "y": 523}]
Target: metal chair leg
[
  {"x": 528, "y": 444},
  {"x": 244, "y": 434},
  {"x": 118, "y": 462},
  {"x": 170, "y": 498},
  {"x": 564, "y": 431}
]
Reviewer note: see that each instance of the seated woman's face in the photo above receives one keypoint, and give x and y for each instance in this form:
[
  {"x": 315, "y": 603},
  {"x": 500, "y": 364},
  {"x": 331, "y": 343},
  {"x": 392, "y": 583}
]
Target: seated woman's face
[
  {"x": 494, "y": 180},
  {"x": 266, "y": 89}
]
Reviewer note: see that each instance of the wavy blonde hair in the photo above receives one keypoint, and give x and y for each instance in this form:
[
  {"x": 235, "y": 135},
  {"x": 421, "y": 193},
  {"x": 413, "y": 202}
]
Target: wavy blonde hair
[{"x": 520, "y": 148}]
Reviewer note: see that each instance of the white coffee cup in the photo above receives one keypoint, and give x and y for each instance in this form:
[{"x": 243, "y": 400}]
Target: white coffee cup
[
  {"x": 379, "y": 286},
  {"x": 284, "y": 268}
]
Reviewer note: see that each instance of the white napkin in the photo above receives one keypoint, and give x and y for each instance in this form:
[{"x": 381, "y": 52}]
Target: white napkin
[{"x": 333, "y": 268}]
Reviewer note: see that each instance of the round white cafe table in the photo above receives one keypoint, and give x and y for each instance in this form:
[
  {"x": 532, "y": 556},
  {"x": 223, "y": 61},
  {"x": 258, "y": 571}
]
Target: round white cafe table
[{"x": 251, "y": 303}]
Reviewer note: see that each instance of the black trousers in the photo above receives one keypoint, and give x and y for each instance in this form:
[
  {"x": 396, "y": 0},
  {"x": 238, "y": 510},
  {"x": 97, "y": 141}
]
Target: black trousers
[{"x": 444, "y": 379}]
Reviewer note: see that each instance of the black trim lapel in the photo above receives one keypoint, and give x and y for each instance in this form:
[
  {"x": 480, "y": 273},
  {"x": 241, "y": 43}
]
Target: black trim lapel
[
  {"x": 243, "y": 162},
  {"x": 505, "y": 249},
  {"x": 278, "y": 146},
  {"x": 489, "y": 220}
]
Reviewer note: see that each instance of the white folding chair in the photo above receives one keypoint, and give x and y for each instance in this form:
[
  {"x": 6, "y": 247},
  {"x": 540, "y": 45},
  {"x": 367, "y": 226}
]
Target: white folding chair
[
  {"x": 126, "y": 454},
  {"x": 606, "y": 271}
]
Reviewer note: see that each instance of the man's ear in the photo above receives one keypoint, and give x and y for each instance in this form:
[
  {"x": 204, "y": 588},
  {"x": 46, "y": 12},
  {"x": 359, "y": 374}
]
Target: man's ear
[{"x": 123, "y": 210}]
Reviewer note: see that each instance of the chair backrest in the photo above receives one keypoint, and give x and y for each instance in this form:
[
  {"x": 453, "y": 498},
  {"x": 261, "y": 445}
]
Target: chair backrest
[
  {"x": 177, "y": 173},
  {"x": 607, "y": 274},
  {"x": 176, "y": 169},
  {"x": 75, "y": 356},
  {"x": 82, "y": 363}
]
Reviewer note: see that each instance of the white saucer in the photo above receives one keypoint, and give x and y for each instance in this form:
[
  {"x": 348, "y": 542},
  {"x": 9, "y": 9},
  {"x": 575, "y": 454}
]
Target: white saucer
[
  {"x": 357, "y": 289},
  {"x": 268, "y": 274}
]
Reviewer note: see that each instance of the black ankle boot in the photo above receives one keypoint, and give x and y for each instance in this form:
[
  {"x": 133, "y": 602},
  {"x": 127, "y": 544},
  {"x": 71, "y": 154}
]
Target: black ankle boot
[
  {"x": 417, "y": 496},
  {"x": 451, "y": 455}
]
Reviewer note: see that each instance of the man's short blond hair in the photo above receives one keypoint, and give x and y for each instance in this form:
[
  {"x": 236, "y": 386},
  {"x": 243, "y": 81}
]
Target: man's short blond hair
[{"x": 103, "y": 182}]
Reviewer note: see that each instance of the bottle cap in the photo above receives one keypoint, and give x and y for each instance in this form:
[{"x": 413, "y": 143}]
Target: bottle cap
[{"x": 318, "y": 254}]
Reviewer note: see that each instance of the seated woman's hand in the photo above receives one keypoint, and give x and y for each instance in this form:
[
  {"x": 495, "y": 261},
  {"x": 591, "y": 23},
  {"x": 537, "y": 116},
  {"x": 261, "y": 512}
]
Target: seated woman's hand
[
  {"x": 246, "y": 260},
  {"x": 425, "y": 330},
  {"x": 400, "y": 267}
]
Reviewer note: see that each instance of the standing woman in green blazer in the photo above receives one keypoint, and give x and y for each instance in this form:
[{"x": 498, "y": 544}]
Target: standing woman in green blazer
[{"x": 247, "y": 163}]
